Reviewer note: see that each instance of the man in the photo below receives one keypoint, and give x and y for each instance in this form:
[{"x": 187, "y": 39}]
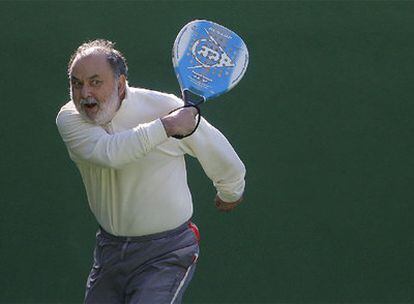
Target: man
[{"x": 120, "y": 138}]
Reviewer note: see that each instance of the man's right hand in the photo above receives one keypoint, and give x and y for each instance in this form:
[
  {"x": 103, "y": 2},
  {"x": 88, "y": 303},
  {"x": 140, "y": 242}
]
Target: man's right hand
[
  {"x": 180, "y": 122},
  {"x": 226, "y": 206}
]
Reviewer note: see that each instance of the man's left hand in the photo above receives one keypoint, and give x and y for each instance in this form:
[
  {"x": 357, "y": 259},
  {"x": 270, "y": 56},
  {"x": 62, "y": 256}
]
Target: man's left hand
[{"x": 226, "y": 206}]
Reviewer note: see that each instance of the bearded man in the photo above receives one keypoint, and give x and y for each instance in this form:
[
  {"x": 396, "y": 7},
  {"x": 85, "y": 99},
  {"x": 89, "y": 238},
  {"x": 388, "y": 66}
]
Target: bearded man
[{"x": 134, "y": 173}]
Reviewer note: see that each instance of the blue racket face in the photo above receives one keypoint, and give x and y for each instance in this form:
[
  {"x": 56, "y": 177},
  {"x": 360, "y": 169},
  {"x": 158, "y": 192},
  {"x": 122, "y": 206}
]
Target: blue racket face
[{"x": 208, "y": 58}]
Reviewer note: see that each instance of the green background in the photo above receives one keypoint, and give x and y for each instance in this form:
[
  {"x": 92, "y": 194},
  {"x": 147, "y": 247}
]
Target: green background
[{"x": 323, "y": 121}]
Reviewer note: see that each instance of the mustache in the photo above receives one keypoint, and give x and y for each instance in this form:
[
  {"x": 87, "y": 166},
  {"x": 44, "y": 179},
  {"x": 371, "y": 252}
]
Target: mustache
[{"x": 88, "y": 101}]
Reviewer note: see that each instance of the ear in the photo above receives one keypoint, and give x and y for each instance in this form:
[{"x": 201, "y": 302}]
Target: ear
[{"x": 121, "y": 87}]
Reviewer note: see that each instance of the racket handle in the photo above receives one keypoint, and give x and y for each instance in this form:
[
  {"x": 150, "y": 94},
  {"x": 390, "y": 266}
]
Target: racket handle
[{"x": 191, "y": 98}]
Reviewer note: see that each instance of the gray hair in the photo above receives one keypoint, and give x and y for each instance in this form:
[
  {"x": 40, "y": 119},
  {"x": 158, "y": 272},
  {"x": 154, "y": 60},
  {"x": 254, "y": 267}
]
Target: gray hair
[{"x": 115, "y": 58}]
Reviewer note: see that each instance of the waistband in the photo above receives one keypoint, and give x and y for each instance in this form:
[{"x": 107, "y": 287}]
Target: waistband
[{"x": 147, "y": 237}]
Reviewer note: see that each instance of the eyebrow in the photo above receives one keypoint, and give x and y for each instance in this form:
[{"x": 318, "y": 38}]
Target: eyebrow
[{"x": 92, "y": 77}]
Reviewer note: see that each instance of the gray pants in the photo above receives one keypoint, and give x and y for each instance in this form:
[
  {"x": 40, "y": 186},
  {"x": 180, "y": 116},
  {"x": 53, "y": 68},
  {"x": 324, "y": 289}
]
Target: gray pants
[{"x": 149, "y": 269}]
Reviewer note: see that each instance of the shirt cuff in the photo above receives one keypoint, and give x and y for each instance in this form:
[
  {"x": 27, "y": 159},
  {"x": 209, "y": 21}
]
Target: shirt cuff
[
  {"x": 228, "y": 198},
  {"x": 156, "y": 132},
  {"x": 150, "y": 134}
]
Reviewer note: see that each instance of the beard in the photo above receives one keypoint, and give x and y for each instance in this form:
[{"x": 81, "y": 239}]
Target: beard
[{"x": 99, "y": 112}]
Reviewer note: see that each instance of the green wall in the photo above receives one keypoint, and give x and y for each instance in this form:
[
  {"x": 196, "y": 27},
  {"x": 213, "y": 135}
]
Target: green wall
[{"x": 323, "y": 121}]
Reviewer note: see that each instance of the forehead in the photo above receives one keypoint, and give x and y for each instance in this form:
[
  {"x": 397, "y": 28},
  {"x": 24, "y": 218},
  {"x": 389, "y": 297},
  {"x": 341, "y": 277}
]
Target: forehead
[{"x": 89, "y": 64}]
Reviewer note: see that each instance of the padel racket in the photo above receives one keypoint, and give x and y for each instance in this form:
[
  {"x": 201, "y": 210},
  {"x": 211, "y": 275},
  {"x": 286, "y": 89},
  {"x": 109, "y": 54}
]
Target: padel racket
[{"x": 208, "y": 60}]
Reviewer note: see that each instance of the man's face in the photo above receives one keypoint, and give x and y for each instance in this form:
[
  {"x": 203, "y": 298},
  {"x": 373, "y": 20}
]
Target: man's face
[{"x": 94, "y": 89}]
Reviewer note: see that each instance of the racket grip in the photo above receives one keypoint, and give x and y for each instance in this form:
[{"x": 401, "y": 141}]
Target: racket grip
[{"x": 191, "y": 98}]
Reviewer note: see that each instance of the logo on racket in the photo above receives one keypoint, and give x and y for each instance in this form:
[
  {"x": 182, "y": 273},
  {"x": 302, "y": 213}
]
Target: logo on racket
[{"x": 209, "y": 54}]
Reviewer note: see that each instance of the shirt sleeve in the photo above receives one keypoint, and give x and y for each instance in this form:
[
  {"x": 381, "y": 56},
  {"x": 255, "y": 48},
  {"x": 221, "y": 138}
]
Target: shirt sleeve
[
  {"x": 91, "y": 143},
  {"x": 219, "y": 160}
]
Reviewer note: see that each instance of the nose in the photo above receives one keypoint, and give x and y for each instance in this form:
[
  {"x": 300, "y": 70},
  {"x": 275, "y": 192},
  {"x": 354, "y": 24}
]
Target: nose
[{"x": 85, "y": 92}]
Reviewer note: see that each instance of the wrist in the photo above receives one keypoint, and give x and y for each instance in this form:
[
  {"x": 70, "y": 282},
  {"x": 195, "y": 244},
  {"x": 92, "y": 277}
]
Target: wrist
[{"x": 168, "y": 126}]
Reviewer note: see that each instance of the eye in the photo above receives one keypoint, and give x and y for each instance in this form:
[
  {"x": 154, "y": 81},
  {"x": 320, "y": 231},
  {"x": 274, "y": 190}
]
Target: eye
[
  {"x": 76, "y": 84},
  {"x": 95, "y": 82}
]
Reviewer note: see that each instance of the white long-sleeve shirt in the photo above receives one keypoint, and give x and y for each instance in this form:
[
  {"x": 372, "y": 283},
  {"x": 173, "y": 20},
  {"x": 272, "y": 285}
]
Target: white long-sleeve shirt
[{"x": 134, "y": 175}]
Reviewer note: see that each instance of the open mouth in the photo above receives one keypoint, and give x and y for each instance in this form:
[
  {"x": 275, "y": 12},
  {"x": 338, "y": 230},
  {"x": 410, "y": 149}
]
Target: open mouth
[{"x": 90, "y": 105}]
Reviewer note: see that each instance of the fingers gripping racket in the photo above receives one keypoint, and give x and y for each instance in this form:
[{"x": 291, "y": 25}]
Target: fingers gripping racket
[{"x": 208, "y": 60}]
